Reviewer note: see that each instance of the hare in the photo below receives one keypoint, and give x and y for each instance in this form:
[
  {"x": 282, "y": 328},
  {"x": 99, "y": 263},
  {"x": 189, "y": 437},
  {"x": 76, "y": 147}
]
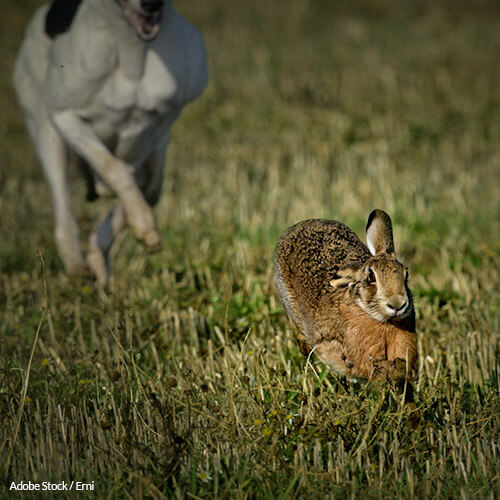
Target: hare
[{"x": 348, "y": 303}]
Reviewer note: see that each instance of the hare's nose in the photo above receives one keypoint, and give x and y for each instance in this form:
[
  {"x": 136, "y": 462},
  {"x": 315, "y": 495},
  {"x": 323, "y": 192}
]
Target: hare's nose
[{"x": 397, "y": 305}]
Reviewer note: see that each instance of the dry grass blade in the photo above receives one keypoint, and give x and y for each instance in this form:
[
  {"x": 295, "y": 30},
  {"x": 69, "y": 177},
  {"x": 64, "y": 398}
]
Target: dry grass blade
[{"x": 26, "y": 379}]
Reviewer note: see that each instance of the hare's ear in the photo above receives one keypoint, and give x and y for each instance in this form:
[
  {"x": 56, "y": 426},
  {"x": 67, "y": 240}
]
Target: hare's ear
[
  {"x": 345, "y": 277},
  {"x": 379, "y": 233}
]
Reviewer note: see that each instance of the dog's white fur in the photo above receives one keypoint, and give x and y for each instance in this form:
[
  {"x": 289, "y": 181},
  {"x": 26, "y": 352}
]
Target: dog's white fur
[{"x": 101, "y": 92}]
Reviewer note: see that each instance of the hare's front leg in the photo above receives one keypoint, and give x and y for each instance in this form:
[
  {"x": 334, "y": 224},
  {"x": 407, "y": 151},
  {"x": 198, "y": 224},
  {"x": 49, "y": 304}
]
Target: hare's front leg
[
  {"x": 402, "y": 351},
  {"x": 395, "y": 370}
]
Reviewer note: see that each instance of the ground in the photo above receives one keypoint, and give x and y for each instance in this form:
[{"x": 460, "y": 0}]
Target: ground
[{"x": 182, "y": 379}]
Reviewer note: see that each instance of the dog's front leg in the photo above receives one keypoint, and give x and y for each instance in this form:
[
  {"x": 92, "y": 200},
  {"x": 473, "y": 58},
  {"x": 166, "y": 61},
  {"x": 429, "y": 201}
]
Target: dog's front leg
[
  {"x": 116, "y": 173},
  {"x": 53, "y": 156},
  {"x": 154, "y": 165},
  {"x": 102, "y": 238}
]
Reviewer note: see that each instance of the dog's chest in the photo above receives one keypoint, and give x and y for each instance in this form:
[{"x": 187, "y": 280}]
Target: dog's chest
[{"x": 129, "y": 107}]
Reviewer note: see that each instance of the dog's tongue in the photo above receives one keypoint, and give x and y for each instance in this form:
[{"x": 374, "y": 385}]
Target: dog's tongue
[{"x": 147, "y": 27}]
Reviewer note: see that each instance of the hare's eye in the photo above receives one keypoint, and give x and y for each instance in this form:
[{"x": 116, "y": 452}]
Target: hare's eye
[{"x": 370, "y": 277}]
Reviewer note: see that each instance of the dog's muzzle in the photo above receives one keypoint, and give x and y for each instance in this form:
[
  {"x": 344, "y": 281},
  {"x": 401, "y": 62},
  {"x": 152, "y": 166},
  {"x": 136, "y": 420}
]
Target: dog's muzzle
[{"x": 147, "y": 25}]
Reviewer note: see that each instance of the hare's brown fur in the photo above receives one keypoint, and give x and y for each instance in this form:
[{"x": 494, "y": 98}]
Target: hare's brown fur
[{"x": 321, "y": 267}]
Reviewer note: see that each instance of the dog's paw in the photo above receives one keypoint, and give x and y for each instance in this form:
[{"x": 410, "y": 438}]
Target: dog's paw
[
  {"x": 142, "y": 223},
  {"x": 97, "y": 262},
  {"x": 77, "y": 269},
  {"x": 152, "y": 241}
]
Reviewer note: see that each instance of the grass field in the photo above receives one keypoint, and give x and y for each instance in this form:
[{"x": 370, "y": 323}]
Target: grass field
[{"x": 183, "y": 380}]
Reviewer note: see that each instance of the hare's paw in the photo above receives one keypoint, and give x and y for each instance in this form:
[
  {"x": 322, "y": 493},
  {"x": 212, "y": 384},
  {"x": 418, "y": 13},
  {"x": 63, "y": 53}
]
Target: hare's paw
[
  {"x": 398, "y": 370},
  {"x": 381, "y": 369},
  {"x": 393, "y": 370}
]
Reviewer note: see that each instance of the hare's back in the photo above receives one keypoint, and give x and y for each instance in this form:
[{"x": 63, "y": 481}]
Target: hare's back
[{"x": 309, "y": 253}]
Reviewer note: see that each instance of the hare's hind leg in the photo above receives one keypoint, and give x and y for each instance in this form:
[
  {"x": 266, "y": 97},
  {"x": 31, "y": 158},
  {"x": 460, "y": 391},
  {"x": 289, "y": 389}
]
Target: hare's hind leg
[
  {"x": 331, "y": 352},
  {"x": 304, "y": 347}
]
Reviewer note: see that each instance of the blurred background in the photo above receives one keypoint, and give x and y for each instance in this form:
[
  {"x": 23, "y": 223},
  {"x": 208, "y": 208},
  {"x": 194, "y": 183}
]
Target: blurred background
[{"x": 315, "y": 108}]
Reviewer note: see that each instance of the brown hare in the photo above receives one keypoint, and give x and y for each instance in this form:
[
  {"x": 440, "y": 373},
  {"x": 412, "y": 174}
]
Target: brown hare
[{"x": 348, "y": 303}]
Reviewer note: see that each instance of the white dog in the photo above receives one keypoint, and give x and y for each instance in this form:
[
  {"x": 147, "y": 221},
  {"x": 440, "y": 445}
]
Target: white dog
[{"x": 103, "y": 81}]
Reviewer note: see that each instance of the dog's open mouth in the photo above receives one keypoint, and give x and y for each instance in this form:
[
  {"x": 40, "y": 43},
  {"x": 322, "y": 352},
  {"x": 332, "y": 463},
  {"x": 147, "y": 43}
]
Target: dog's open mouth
[{"x": 147, "y": 27}]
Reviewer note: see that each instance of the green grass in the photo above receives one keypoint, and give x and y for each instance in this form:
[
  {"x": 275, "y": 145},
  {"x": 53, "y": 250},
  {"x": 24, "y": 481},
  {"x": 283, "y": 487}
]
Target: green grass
[{"x": 183, "y": 378}]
